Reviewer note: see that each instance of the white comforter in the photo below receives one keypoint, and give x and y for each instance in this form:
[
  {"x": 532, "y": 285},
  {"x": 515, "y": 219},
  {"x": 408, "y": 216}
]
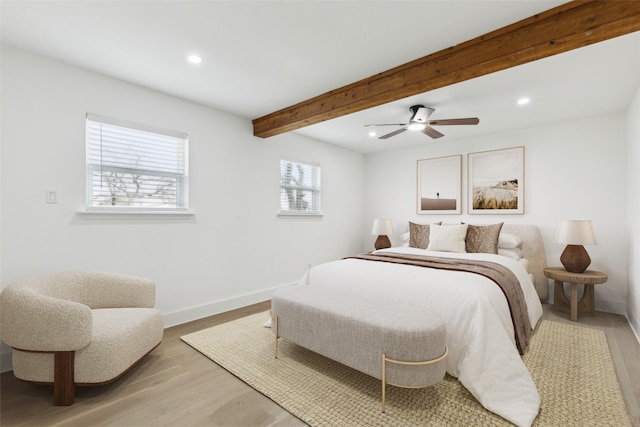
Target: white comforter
[{"x": 482, "y": 350}]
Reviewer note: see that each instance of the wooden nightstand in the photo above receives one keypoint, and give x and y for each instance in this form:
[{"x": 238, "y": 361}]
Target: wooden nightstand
[{"x": 586, "y": 305}]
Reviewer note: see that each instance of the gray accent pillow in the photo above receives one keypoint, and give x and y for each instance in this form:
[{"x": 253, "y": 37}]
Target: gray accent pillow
[
  {"x": 483, "y": 238},
  {"x": 419, "y": 235}
]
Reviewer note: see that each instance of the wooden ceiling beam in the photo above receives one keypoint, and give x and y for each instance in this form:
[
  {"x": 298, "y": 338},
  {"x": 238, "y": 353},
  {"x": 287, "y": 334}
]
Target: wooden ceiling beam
[{"x": 569, "y": 26}]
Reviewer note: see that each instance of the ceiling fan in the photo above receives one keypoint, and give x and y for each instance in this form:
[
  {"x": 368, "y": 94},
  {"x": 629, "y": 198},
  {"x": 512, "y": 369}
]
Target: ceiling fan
[{"x": 420, "y": 121}]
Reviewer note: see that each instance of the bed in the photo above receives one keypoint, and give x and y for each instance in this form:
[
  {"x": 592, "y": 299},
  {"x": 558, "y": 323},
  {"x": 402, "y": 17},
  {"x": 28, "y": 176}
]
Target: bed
[{"x": 483, "y": 353}]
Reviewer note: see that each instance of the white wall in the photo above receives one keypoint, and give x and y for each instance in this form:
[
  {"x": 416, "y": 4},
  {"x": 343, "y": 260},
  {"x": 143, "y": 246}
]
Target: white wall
[
  {"x": 573, "y": 170},
  {"x": 633, "y": 184},
  {"x": 233, "y": 252}
]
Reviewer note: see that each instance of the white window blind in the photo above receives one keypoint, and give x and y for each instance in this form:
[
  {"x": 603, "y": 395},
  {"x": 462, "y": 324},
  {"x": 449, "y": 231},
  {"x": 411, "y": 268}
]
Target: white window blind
[
  {"x": 135, "y": 167},
  {"x": 299, "y": 188}
]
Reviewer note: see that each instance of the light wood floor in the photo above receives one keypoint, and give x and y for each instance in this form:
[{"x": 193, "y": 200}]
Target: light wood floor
[{"x": 175, "y": 385}]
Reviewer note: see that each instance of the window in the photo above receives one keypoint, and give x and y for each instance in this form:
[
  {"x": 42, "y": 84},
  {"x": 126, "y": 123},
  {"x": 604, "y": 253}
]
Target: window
[
  {"x": 135, "y": 167},
  {"x": 299, "y": 188}
]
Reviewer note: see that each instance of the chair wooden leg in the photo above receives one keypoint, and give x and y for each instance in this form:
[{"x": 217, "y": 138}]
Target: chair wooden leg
[{"x": 63, "y": 378}]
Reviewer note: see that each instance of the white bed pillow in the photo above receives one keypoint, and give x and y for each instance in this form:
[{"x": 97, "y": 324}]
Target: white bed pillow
[
  {"x": 509, "y": 241},
  {"x": 448, "y": 238},
  {"x": 515, "y": 253},
  {"x": 405, "y": 239}
]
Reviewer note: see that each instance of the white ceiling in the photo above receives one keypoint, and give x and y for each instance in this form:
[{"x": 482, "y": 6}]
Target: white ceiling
[{"x": 261, "y": 56}]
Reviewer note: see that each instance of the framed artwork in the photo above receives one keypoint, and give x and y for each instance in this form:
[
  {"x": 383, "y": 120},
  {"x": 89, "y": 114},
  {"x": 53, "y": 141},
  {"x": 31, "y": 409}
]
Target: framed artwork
[
  {"x": 439, "y": 185},
  {"x": 496, "y": 181}
]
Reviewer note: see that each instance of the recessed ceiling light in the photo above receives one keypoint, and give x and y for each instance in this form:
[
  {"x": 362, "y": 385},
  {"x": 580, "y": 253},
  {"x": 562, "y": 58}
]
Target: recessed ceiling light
[
  {"x": 372, "y": 133},
  {"x": 194, "y": 59},
  {"x": 523, "y": 101}
]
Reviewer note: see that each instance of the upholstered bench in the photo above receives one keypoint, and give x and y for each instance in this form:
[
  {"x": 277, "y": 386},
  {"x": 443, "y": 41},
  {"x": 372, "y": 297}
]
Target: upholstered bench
[
  {"x": 400, "y": 345},
  {"x": 79, "y": 328}
]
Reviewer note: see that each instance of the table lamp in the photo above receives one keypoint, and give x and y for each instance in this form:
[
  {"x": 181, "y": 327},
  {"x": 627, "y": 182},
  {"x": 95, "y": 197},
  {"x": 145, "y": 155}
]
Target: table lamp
[
  {"x": 382, "y": 227},
  {"x": 575, "y": 234}
]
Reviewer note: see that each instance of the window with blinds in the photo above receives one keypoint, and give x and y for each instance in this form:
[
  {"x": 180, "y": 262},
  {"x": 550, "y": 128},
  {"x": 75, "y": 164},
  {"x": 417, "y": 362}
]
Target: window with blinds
[
  {"x": 299, "y": 188},
  {"x": 135, "y": 167}
]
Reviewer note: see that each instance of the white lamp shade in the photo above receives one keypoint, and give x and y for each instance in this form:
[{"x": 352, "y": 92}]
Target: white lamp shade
[
  {"x": 382, "y": 227},
  {"x": 576, "y": 232}
]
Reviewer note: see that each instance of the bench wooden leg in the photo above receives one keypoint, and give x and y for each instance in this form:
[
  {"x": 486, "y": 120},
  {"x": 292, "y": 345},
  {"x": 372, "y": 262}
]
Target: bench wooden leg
[
  {"x": 274, "y": 324},
  {"x": 384, "y": 381},
  {"x": 63, "y": 378}
]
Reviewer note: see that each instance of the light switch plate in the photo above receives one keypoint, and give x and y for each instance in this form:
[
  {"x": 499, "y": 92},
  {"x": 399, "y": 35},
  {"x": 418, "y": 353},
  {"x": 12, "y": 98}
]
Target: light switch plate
[{"x": 52, "y": 196}]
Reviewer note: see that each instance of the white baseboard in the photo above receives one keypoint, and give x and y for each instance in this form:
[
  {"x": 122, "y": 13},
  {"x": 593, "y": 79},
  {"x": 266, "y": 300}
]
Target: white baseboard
[
  {"x": 184, "y": 316},
  {"x": 635, "y": 331},
  {"x": 206, "y": 310},
  {"x": 616, "y": 307}
]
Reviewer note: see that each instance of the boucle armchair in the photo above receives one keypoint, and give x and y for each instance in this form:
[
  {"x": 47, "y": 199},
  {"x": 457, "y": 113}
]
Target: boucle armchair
[{"x": 78, "y": 328}]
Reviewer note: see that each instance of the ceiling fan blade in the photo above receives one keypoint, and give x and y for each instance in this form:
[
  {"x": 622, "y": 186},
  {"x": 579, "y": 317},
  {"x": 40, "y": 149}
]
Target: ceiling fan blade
[
  {"x": 429, "y": 131},
  {"x": 467, "y": 121},
  {"x": 394, "y": 133},
  {"x": 386, "y": 124}
]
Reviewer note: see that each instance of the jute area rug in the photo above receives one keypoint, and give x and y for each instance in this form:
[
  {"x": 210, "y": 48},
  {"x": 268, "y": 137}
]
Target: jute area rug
[{"x": 571, "y": 366}]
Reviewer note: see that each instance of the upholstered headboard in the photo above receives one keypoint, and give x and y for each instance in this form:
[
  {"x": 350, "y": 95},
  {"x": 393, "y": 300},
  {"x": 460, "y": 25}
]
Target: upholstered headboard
[{"x": 533, "y": 250}]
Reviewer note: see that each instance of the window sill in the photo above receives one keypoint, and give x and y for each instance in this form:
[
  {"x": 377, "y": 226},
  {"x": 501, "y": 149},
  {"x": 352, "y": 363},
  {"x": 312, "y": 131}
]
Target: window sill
[
  {"x": 99, "y": 214},
  {"x": 300, "y": 214}
]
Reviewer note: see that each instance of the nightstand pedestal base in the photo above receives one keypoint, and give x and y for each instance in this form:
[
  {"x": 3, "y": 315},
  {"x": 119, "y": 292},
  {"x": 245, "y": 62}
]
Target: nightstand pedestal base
[{"x": 584, "y": 307}]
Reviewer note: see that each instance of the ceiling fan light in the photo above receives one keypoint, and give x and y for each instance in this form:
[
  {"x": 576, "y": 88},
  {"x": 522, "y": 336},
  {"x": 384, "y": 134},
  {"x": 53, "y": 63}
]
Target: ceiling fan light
[
  {"x": 416, "y": 126},
  {"x": 194, "y": 59}
]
